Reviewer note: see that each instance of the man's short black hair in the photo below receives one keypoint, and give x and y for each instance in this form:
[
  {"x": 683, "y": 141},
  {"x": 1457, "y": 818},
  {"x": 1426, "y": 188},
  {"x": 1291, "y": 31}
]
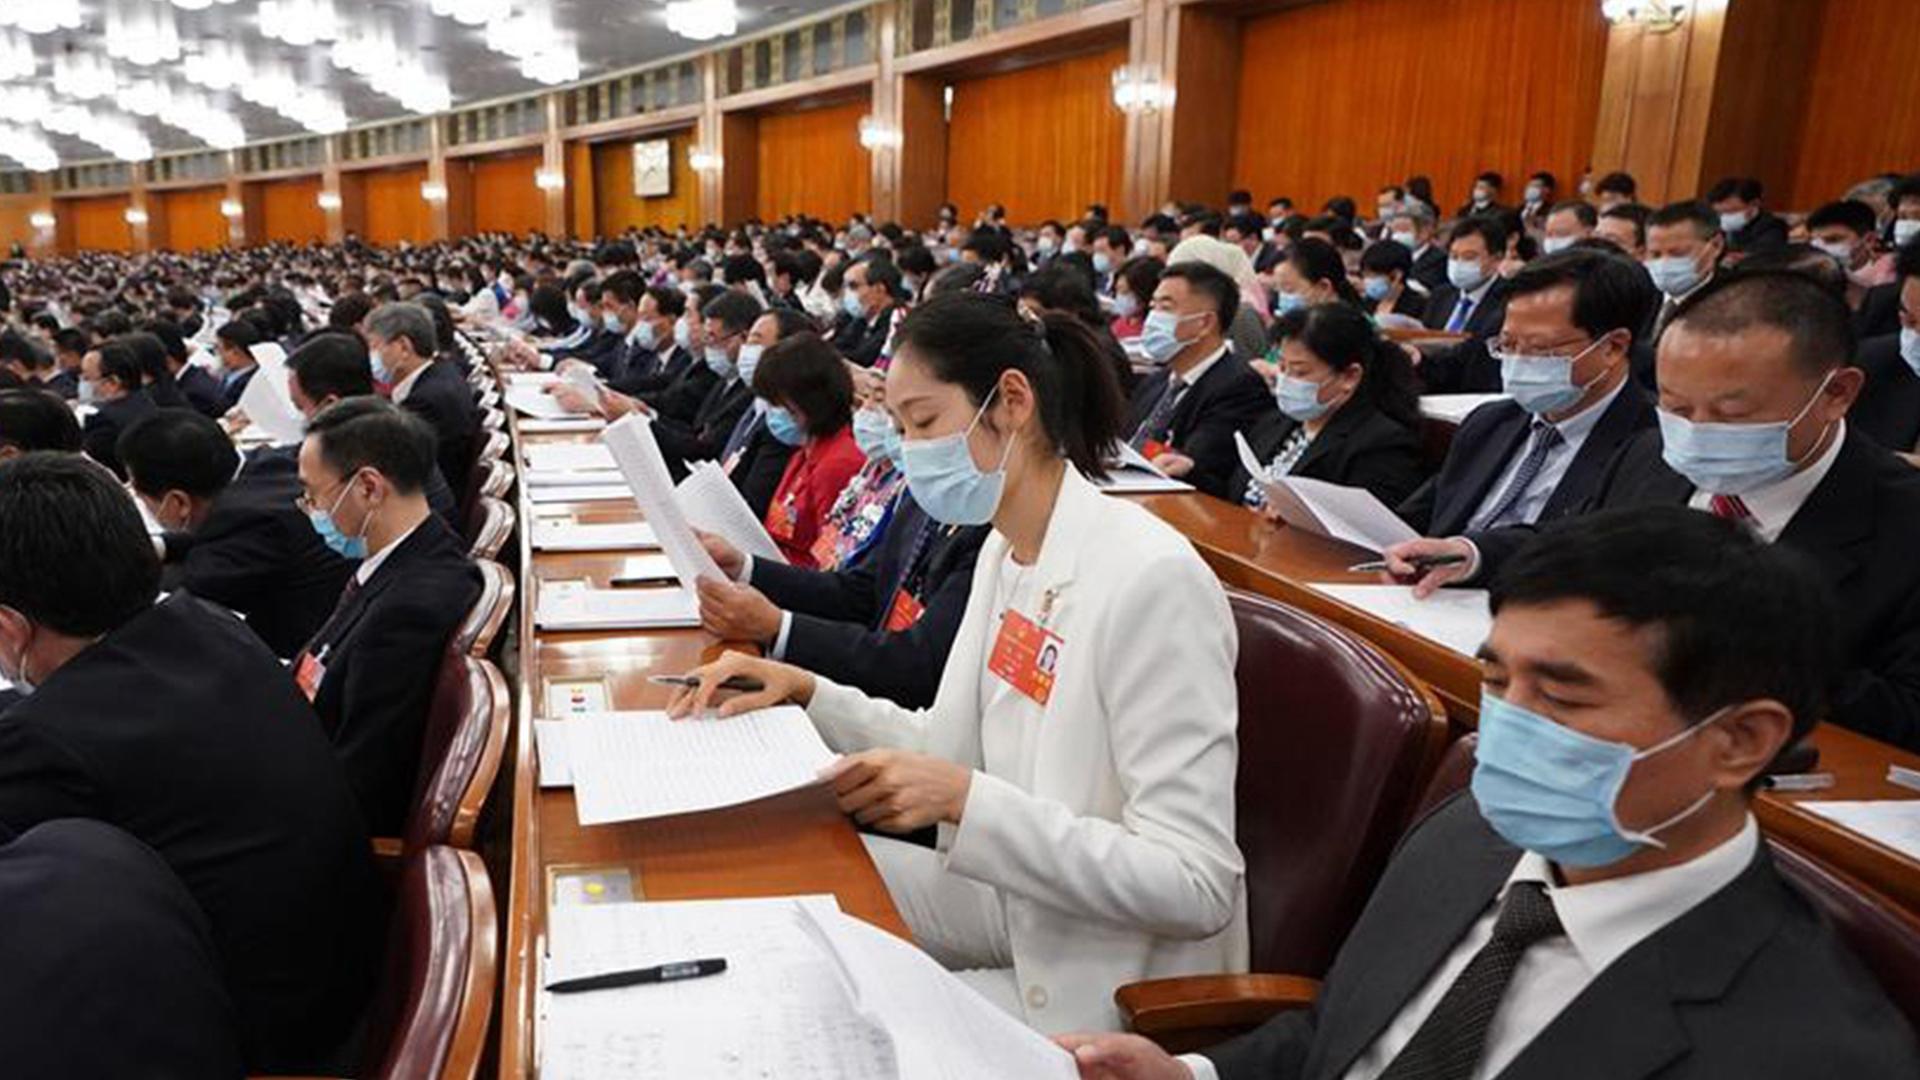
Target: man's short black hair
[
  {"x": 1906, "y": 263},
  {"x": 1817, "y": 321},
  {"x": 1211, "y": 282},
  {"x": 1733, "y": 619},
  {"x": 332, "y": 363},
  {"x": 367, "y": 432},
  {"x": 1582, "y": 211},
  {"x": 1688, "y": 211},
  {"x": 240, "y": 334},
  {"x": 1609, "y": 292},
  {"x": 735, "y": 310},
  {"x": 1617, "y": 183},
  {"x": 119, "y": 362},
  {"x": 178, "y": 450},
  {"x": 1850, "y": 214},
  {"x": 1744, "y": 188},
  {"x": 37, "y": 420},
  {"x": 74, "y": 554},
  {"x": 70, "y": 340},
  {"x": 670, "y": 302},
  {"x": 1485, "y": 226}
]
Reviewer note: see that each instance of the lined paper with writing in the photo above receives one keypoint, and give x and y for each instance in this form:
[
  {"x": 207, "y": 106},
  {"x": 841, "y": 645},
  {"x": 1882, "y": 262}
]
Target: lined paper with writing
[{"x": 628, "y": 766}]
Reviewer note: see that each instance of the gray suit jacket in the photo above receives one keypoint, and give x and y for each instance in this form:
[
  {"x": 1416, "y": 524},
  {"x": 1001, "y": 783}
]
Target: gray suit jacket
[{"x": 1751, "y": 983}]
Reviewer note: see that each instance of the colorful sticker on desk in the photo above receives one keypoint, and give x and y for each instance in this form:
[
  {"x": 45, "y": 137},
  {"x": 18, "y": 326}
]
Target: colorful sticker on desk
[
  {"x": 904, "y": 613},
  {"x": 1026, "y": 656},
  {"x": 784, "y": 519},
  {"x": 572, "y": 697},
  {"x": 309, "y": 673}
]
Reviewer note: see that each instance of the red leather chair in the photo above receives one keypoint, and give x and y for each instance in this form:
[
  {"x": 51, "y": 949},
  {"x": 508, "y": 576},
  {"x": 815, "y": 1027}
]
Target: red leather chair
[
  {"x": 1883, "y": 935},
  {"x": 430, "y": 1016},
  {"x": 489, "y": 525},
  {"x": 460, "y": 752},
  {"x": 478, "y": 630},
  {"x": 1454, "y": 773},
  {"x": 1336, "y": 739}
]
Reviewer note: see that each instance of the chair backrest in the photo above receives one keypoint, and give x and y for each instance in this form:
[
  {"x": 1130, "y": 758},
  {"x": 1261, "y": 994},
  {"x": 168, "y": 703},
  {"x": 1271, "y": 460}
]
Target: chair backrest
[
  {"x": 492, "y": 448},
  {"x": 1883, "y": 935},
  {"x": 496, "y": 479},
  {"x": 1453, "y": 774},
  {"x": 429, "y": 1018},
  {"x": 460, "y": 748},
  {"x": 493, "y": 420},
  {"x": 489, "y": 613},
  {"x": 488, "y": 397},
  {"x": 489, "y": 524},
  {"x": 1335, "y": 738}
]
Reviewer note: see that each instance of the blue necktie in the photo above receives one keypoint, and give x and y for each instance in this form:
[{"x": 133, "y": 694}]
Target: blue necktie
[
  {"x": 1460, "y": 312},
  {"x": 742, "y": 431},
  {"x": 1545, "y": 438}
]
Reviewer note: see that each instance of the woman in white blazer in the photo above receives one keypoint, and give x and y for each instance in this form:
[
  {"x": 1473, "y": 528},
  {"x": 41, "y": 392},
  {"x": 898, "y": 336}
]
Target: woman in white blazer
[{"x": 1079, "y": 756}]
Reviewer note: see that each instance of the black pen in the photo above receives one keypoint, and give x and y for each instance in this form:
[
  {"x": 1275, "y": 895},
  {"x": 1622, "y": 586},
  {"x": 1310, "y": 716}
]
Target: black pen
[
  {"x": 738, "y": 682},
  {"x": 1420, "y": 562},
  {"x": 685, "y": 969}
]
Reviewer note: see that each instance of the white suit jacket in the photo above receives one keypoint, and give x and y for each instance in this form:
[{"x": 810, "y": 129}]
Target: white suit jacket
[{"x": 1113, "y": 851}]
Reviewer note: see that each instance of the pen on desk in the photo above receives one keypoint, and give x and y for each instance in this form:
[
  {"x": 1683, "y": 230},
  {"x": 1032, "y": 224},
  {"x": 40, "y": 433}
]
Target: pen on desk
[
  {"x": 1813, "y": 781},
  {"x": 663, "y": 973},
  {"x": 738, "y": 682},
  {"x": 1420, "y": 562},
  {"x": 1905, "y": 777}
]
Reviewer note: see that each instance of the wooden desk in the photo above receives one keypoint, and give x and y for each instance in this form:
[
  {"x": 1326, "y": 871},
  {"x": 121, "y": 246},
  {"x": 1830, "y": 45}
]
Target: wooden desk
[{"x": 796, "y": 843}]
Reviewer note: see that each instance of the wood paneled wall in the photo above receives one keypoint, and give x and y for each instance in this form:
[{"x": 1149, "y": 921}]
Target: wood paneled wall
[
  {"x": 394, "y": 209},
  {"x": 94, "y": 224},
  {"x": 1341, "y": 98},
  {"x": 1861, "y": 114},
  {"x": 191, "y": 218},
  {"x": 290, "y": 210},
  {"x": 812, "y": 162},
  {"x": 616, "y": 208},
  {"x": 1044, "y": 141},
  {"x": 504, "y": 196},
  {"x": 15, "y": 226}
]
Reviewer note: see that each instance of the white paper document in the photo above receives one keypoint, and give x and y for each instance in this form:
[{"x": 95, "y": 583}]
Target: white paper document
[
  {"x": 530, "y": 378},
  {"x": 712, "y": 504},
  {"x": 266, "y": 400},
  {"x": 550, "y": 742},
  {"x": 536, "y": 402},
  {"x": 561, "y": 427},
  {"x": 616, "y": 609},
  {"x": 1892, "y": 822},
  {"x": 1343, "y": 513},
  {"x": 629, "y": 766},
  {"x": 1454, "y": 408},
  {"x": 1456, "y": 618},
  {"x": 581, "y": 493},
  {"x": 570, "y": 457},
  {"x": 629, "y": 442},
  {"x": 1130, "y": 473},
  {"x": 545, "y": 478},
  {"x": 602, "y": 536}
]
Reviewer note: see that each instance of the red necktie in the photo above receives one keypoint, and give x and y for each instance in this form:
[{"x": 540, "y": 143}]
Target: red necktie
[{"x": 1730, "y": 507}]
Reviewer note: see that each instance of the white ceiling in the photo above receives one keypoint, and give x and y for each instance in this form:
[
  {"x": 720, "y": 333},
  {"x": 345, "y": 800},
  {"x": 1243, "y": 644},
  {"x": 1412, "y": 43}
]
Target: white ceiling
[{"x": 611, "y": 35}]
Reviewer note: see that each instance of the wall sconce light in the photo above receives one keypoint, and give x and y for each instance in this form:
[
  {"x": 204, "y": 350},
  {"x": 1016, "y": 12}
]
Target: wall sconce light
[
  {"x": 41, "y": 219},
  {"x": 548, "y": 180},
  {"x": 231, "y": 208},
  {"x": 705, "y": 161},
  {"x": 135, "y": 216},
  {"x": 1137, "y": 88},
  {"x": 875, "y": 135},
  {"x": 433, "y": 192},
  {"x": 1656, "y": 16},
  {"x": 329, "y": 200}
]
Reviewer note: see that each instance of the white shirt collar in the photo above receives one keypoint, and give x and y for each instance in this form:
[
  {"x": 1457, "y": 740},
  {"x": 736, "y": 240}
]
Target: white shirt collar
[
  {"x": 372, "y": 562},
  {"x": 1577, "y": 427},
  {"x": 405, "y": 386},
  {"x": 1480, "y": 293},
  {"x": 1606, "y": 919},
  {"x": 1199, "y": 369},
  {"x": 1773, "y": 507}
]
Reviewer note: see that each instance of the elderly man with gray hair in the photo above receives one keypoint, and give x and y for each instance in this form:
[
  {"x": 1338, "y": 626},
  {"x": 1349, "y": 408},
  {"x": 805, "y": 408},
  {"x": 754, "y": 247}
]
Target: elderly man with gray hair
[{"x": 402, "y": 344}]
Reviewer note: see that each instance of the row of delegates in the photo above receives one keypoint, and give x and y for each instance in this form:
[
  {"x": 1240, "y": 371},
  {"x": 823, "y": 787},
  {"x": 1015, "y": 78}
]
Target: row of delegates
[
  {"x": 403, "y": 346},
  {"x": 1080, "y": 772},
  {"x": 1600, "y": 902}
]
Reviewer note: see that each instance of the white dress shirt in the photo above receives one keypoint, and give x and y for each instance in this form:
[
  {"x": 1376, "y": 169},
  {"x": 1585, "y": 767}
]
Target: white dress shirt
[
  {"x": 405, "y": 386},
  {"x": 1573, "y": 435},
  {"x": 1772, "y": 507},
  {"x": 1603, "y": 920},
  {"x": 372, "y": 562}
]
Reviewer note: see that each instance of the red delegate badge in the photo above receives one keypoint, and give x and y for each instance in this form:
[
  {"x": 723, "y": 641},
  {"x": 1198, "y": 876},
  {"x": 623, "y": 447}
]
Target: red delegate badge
[
  {"x": 826, "y": 547},
  {"x": 905, "y": 612},
  {"x": 308, "y": 674},
  {"x": 1025, "y": 656},
  {"x": 784, "y": 520},
  {"x": 1153, "y": 448}
]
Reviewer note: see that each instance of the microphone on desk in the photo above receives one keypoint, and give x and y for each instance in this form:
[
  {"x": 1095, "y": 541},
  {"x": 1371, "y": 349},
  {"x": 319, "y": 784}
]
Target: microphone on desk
[{"x": 662, "y": 973}]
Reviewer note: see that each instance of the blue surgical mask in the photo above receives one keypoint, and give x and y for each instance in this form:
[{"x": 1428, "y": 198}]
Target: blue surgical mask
[
  {"x": 1554, "y": 245},
  {"x": 1674, "y": 275},
  {"x": 578, "y": 313},
  {"x": 1286, "y": 303},
  {"x": 1542, "y": 383},
  {"x": 381, "y": 372},
  {"x": 1730, "y": 459},
  {"x": 612, "y": 322},
  {"x": 782, "y": 426},
  {"x": 683, "y": 334},
  {"x": 945, "y": 481},
  {"x": 1376, "y": 288},
  {"x": 1157, "y": 338},
  {"x": 850, "y": 303},
  {"x": 1126, "y": 305},
  {"x": 1465, "y": 274},
  {"x": 1551, "y": 790},
  {"x": 1735, "y": 221},
  {"x": 874, "y": 433},
  {"x": 1910, "y": 349},
  {"x": 718, "y": 361},
  {"x": 88, "y": 392},
  {"x": 1102, "y": 263},
  {"x": 1408, "y": 240},
  {"x": 1905, "y": 231},
  {"x": 347, "y": 547},
  {"x": 644, "y": 335},
  {"x": 749, "y": 361},
  {"x": 1300, "y": 399}
]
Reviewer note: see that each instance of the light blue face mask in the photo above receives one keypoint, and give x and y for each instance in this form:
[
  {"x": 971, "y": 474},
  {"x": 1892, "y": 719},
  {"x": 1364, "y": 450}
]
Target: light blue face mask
[
  {"x": 644, "y": 336},
  {"x": 1102, "y": 263},
  {"x": 578, "y": 313},
  {"x": 945, "y": 481},
  {"x": 381, "y": 372},
  {"x": 850, "y": 303},
  {"x": 347, "y": 547},
  {"x": 1730, "y": 459},
  {"x": 1465, "y": 274},
  {"x": 612, "y": 323},
  {"x": 1376, "y": 288},
  {"x": 1286, "y": 303},
  {"x": 1674, "y": 275},
  {"x": 782, "y": 426},
  {"x": 874, "y": 433},
  {"x": 1300, "y": 399},
  {"x": 1910, "y": 349},
  {"x": 1126, "y": 305},
  {"x": 1542, "y": 383},
  {"x": 88, "y": 393},
  {"x": 1549, "y": 789},
  {"x": 1157, "y": 337},
  {"x": 749, "y": 361},
  {"x": 683, "y": 334},
  {"x": 718, "y": 361}
]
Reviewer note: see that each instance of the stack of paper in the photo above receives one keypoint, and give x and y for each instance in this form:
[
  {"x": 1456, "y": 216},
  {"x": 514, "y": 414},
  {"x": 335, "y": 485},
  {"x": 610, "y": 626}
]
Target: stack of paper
[
  {"x": 571, "y": 493},
  {"x": 536, "y": 402},
  {"x": 266, "y": 400},
  {"x": 556, "y": 761},
  {"x": 1453, "y": 408},
  {"x": 576, "y": 536},
  {"x": 1343, "y": 513},
  {"x": 539, "y": 478},
  {"x": 569, "y": 457},
  {"x": 628, "y": 766},
  {"x": 1456, "y": 618},
  {"x": 561, "y": 427},
  {"x": 1130, "y": 473},
  {"x": 630, "y": 443},
  {"x": 1892, "y": 822},
  {"x": 711, "y": 503},
  {"x": 616, "y": 609},
  {"x": 531, "y": 378}
]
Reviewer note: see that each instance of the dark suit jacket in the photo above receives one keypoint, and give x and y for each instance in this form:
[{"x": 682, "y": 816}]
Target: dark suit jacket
[
  {"x": 100, "y": 435},
  {"x": 763, "y": 461},
  {"x": 1879, "y": 312},
  {"x": 1752, "y": 982},
  {"x": 233, "y": 385},
  {"x": 1228, "y": 398},
  {"x": 1859, "y": 526},
  {"x": 681, "y": 396},
  {"x": 202, "y": 391},
  {"x": 1765, "y": 233},
  {"x": 258, "y": 554},
  {"x": 66, "y": 383},
  {"x": 861, "y": 340},
  {"x": 381, "y": 648},
  {"x": 111, "y": 969},
  {"x": 645, "y": 371},
  {"x": 1430, "y": 269},
  {"x": 1490, "y": 436},
  {"x": 840, "y": 617},
  {"x": 705, "y": 436},
  {"x": 1360, "y": 447},
  {"x": 182, "y": 729},
  {"x": 443, "y": 399},
  {"x": 604, "y": 349},
  {"x": 1465, "y": 368},
  {"x": 1889, "y": 407}
]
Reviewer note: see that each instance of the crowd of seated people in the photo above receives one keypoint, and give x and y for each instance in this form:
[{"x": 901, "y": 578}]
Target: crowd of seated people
[{"x": 920, "y": 416}]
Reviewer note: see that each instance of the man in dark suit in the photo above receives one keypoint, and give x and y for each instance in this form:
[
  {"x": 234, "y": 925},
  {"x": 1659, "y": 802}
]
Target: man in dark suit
[
  {"x": 729, "y": 318},
  {"x": 1769, "y": 350},
  {"x": 622, "y": 295},
  {"x": 234, "y": 342},
  {"x": 1473, "y": 302},
  {"x": 1539, "y": 456},
  {"x": 753, "y": 459},
  {"x": 1412, "y": 226},
  {"x": 685, "y": 375},
  {"x": 172, "y": 721},
  {"x": 1889, "y": 407},
  {"x": 233, "y": 534},
  {"x": 1751, "y": 228},
  {"x": 197, "y": 388},
  {"x": 111, "y": 967},
  {"x": 370, "y": 668},
  {"x": 655, "y": 355},
  {"x": 1547, "y": 926},
  {"x": 1183, "y": 416},
  {"x": 401, "y": 338},
  {"x": 120, "y": 401},
  {"x": 603, "y": 348},
  {"x": 1685, "y": 246},
  {"x": 872, "y": 288}
]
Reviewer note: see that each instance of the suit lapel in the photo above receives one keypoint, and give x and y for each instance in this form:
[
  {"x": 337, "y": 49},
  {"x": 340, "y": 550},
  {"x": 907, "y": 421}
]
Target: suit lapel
[
  {"x": 1331, "y": 438},
  {"x": 1582, "y": 477},
  {"x": 1498, "y": 448},
  {"x": 1835, "y": 524}
]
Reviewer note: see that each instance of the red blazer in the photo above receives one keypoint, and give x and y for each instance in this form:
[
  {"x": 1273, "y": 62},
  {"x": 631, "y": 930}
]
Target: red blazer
[{"x": 815, "y": 474}]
